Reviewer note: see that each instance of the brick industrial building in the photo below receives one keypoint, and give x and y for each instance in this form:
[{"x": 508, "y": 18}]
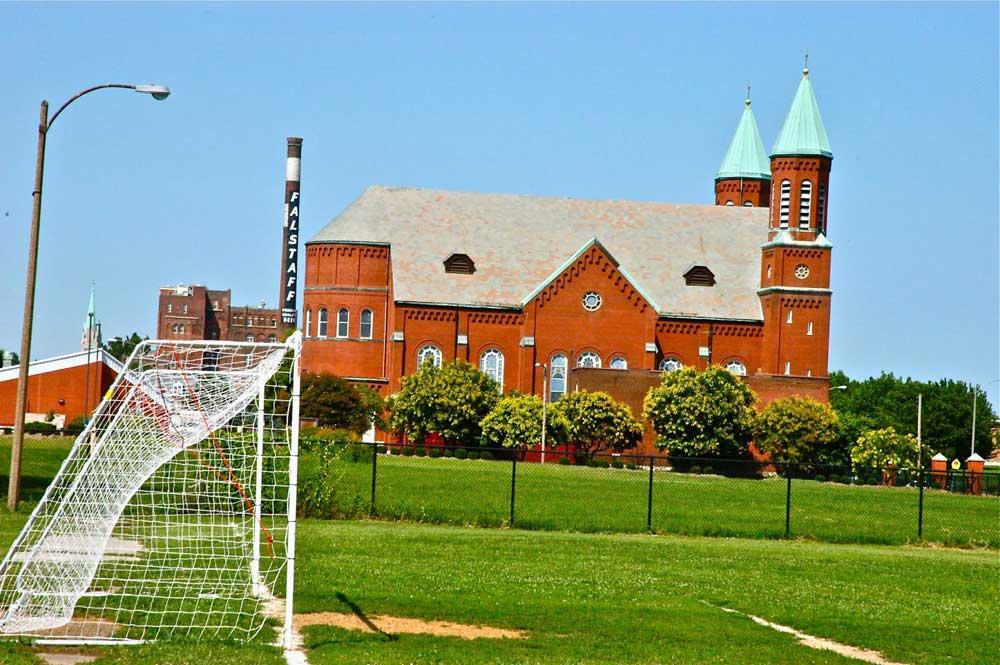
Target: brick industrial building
[
  {"x": 196, "y": 312},
  {"x": 509, "y": 282}
]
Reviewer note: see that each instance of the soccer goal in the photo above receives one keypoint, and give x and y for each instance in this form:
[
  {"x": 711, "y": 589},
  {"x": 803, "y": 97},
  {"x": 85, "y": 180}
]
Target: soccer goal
[{"x": 174, "y": 513}]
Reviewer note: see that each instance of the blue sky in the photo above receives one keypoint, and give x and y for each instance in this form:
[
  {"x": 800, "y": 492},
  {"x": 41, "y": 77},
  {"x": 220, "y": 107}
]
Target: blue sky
[{"x": 602, "y": 101}]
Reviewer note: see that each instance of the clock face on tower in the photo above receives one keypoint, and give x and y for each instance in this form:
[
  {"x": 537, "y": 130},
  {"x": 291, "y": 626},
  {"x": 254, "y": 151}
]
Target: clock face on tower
[{"x": 802, "y": 271}]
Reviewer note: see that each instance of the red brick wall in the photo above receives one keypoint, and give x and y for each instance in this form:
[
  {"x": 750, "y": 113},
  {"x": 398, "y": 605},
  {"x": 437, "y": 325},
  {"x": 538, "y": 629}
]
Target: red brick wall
[
  {"x": 60, "y": 391},
  {"x": 743, "y": 191}
]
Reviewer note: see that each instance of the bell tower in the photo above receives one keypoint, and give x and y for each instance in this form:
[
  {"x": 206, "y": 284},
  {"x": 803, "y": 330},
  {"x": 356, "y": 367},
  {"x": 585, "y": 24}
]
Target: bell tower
[
  {"x": 795, "y": 261},
  {"x": 744, "y": 179}
]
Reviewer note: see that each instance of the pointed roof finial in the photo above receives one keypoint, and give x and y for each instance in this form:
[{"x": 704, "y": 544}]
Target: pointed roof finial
[
  {"x": 748, "y": 93},
  {"x": 805, "y": 68}
]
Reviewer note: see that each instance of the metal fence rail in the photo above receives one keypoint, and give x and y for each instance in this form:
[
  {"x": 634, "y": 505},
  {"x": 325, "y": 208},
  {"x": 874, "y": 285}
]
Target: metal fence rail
[{"x": 629, "y": 494}]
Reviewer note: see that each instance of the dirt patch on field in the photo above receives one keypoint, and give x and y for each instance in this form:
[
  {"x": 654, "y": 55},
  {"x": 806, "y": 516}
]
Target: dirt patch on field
[
  {"x": 81, "y": 627},
  {"x": 391, "y": 625},
  {"x": 66, "y": 658}
]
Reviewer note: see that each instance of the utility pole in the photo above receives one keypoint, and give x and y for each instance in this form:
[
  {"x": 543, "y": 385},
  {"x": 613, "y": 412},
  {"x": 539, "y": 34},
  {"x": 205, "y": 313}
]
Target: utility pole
[
  {"x": 920, "y": 442},
  {"x": 972, "y": 445}
]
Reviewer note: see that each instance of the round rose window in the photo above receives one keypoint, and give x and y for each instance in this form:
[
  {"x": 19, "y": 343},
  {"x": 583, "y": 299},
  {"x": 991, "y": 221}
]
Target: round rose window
[
  {"x": 591, "y": 301},
  {"x": 802, "y": 271}
]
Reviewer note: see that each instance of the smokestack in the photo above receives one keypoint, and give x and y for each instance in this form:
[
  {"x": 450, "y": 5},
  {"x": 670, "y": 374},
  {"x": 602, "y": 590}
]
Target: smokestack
[{"x": 290, "y": 239}]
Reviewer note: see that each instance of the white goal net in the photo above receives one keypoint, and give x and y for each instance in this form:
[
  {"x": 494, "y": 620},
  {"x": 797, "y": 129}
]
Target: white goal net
[{"x": 174, "y": 513}]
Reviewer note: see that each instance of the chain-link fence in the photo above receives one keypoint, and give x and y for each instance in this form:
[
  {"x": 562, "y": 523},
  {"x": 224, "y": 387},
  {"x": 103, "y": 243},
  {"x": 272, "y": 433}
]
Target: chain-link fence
[{"x": 628, "y": 493}]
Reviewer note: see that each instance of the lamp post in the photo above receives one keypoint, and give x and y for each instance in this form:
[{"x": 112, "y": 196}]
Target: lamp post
[
  {"x": 545, "y": 401},
  {"x": 44, "y": 125}
]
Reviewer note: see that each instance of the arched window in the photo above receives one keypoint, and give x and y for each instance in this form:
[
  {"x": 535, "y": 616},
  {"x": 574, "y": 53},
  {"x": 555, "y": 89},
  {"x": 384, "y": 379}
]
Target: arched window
[
  {"x": 619, "y": 362},
  {"x": 729, "y": 203},
  {"x": 557, "y": 377},
  {"x": 272, "y": 338},
  {"x": 748, "y": 204},
  {"x": 821, "y": 209},
  {"x": 250, "y": 338},
  {"x": 588, "y": 359},
  {"x": 491, "y": 364},
  {"x": 786, "y": 198},
  {"x": 736, "y": 367},
  {"x": 309, "y": 323},
  {"x": 180, "y": 328},
  {"x": 429, "y": 353},
  {"x": 366, "y": 324},
  {"x": 321, "y": 324},
  {"x": 671, "y": 364},
  {"x": 343, "y": 322},
  {"x": 805, "y": 203}
]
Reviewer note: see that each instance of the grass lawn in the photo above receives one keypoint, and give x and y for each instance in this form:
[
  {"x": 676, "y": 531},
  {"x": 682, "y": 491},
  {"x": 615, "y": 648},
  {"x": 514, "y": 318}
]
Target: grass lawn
[
  {"x": 618, "y": 598},
  {"x": 554, "y": 497}
]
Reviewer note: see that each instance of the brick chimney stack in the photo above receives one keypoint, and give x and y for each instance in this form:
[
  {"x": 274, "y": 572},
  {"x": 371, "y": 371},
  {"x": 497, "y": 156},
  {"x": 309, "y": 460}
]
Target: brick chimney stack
[{"x": 290, "y": 238}]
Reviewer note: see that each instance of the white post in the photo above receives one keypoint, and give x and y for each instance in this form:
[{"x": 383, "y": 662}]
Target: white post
[
  {"x": 293, "y": 475},
  {"x": 975, "y": 393},
  {"x": 920, "y": 441},
  {"x": 545, "y": 397},
  {"x": 258, "y": 494}
]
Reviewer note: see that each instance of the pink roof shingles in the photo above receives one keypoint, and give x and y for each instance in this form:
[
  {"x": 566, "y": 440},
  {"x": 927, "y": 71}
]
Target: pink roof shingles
[{"x": 518, "y": 241}]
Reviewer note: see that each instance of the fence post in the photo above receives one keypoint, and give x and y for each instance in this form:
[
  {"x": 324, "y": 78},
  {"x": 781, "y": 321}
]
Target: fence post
[
  {"x": 649, "y": 504},
  {"x": 788, "y": 502},
  {"x": 371, "y": 510},
  {"x": 920, "y": 507},
  {"x": 513, "y": 486}
]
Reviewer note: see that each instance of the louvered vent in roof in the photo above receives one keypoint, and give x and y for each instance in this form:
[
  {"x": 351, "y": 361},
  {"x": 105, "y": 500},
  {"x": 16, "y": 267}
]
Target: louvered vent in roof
[
  {"x": 699, "y": 276},
  {"x": 460, "y": 264}
]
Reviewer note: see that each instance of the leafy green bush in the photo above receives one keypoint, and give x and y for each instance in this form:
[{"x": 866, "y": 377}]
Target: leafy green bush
[
  {"x": 75, "y": 426},
  {"x": 596, "y": 422},
  {"x": 408, "y": 451},
  {"x": 486, "y": 455},
  {"x": 885, "y": 447},
  {"x": 473, "y": 454},
  {"x": 819, "y": 478},
  {"x": 420, "y": 452},
  {"x": 434, "y": 452},
  {"x": 617, "y": 465},
  {"x": 449, "y": 452},
  {"x": 39, "y": 428},
  {"x": 450, "y": 401},
  {"x": 461, "y": 453},
  {"x": 797, "y": 430},
  {"x": 695, "y": 469},
  {"x": 706, "y": 470},
  {"x": 706, "y": 413},
  {"x": 564, "y": 461},
  {"x": 604, "y": 465},
  {"x": 516, "y": 422},
  {"x": 631, "y": 467}
]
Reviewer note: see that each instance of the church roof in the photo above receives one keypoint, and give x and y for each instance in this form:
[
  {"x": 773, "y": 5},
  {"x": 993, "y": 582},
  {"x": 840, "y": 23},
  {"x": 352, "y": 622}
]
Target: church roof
[
  {"x": 517, "y": 243},
  {"x": 802, "y": 132},
  {"x": 746, "y": 157}
]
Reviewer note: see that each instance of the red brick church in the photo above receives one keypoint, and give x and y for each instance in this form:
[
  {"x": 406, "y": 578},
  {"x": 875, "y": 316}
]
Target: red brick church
[{"x": 516, "y": 284}]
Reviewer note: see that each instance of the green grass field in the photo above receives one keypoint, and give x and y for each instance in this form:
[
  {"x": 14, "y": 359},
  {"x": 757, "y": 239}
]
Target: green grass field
[
  {"x": 604, "y": 598},
  {"x": 570, "y": 498}
]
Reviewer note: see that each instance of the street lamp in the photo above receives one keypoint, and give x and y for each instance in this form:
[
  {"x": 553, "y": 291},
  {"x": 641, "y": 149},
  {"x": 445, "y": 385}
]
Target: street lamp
[
  {"x": 44, "y": 125},
  {"x": 545, "y": 401}
]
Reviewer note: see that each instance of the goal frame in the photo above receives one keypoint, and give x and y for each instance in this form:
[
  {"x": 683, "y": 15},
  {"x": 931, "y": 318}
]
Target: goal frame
[{"x": 293, "y": 350}]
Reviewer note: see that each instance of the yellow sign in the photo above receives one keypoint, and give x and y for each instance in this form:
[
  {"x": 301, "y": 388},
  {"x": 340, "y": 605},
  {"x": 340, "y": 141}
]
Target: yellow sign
[{"x": 955, "y": 465}]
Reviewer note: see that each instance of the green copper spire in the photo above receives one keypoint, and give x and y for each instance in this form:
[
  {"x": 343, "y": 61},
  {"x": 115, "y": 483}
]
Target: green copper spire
[
  {"x": 746, "y": 157},
  {"x": 91, "y": 312},
  {"x": 803, "y": 133}
]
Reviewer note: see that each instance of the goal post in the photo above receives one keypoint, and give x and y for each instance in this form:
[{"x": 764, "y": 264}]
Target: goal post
[{"x": 173, "y": 515}]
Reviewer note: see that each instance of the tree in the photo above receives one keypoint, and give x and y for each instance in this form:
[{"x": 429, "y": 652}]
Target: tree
[
  {"x": 516, "y": 422},
  {"x": 336, "y": 403},
  {"x": 797, "y": 430},
  {"x": 702, "y": 414},
  {"x": 450, "y": 401},
  {"x": 885, "y": 447},
  {"x": 596, "y": 422},
  {"x": 890, "y": 401},
  {"x": 121, "y": 348}
]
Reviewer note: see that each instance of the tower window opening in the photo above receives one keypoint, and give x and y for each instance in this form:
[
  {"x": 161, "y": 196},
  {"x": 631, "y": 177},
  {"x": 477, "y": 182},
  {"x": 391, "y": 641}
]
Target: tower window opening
[
  {"x": 786, "y": 197},
  {"x": 809, "y": 328},
  {"x": 805, "y": 203},
  {"x": 788, "y": 319},
  {"x": 729, "y": 203},
  {"x": 788, "y": 367},
  {"x": 821, "y": 209}
]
